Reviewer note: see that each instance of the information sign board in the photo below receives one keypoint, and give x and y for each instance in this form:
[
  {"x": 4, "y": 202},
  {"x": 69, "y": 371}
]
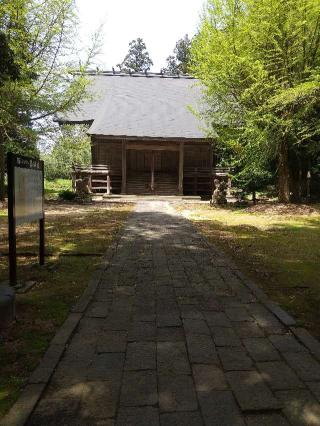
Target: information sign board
[
  {"x": 28, "y": 190},
  {"x": 25, "y": 201}
]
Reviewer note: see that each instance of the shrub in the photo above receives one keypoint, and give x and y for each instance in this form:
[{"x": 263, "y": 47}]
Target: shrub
[{"x": 67, "y": 195}]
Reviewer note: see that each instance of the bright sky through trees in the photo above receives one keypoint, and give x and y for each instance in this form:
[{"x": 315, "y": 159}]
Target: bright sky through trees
[{"x": 159, "y": 22}]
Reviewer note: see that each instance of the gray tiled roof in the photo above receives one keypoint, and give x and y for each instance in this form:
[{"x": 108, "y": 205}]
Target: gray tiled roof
[{"x": 141, "y": 106}]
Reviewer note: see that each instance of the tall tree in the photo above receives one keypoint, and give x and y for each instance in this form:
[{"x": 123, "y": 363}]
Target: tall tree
[
  {"x": 259, "y": 62},
  {"x": 137, "y": 59},
  {"x": 38, "y": 82},
  {"x": 179, "y": 61}
]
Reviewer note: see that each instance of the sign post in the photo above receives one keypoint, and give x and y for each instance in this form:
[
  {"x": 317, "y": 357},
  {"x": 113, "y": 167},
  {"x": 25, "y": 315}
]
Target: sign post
[{"x": 25, "y": 203}]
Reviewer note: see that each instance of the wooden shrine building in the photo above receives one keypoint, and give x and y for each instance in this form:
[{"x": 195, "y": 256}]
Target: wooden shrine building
[{"x": 144, "y": 135}]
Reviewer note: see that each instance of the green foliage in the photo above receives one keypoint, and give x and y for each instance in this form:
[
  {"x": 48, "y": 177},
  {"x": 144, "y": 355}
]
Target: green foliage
[
  {"x": 137, "y": 58},
  {"x": 260, "y": 65},
  {"x": 71, "y": 148},
  {"x": 8, "y": 68},
  {"x": 37, "y": 78},
  {"x": 179, "y": 61}
]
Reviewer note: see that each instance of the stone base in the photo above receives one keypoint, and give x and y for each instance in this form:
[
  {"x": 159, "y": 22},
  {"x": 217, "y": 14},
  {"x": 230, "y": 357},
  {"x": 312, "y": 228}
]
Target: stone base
[{"x": 7, "y": 304}]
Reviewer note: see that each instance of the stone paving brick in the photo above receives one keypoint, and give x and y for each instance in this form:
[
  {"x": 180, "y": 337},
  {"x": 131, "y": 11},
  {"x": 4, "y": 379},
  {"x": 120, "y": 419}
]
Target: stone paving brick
[
  {"x": 138, "y": 416},
  {"x": 201, "y": 349},
  {"x": 98, "y": 309},
  {"x": 286, "y": 343},
  {"x": 170, "y": 334},
  {"x": 81, "y": 347},
  {"x": 55, "y": 411},
  {"x": 176, "y": 393},
  {"x": 306, "y": 367},
  {"x": 106, "y": 366},
  {"x": 260, "y": 349},
  {"x": 117, "y": 321},
  {"x": 181, "y": 419},
  {"x": 172, "y": 358},
  {"x": 263, "y": 317},
  {"x": 68, "y": 390},
  {"x": 251, "y": 392},
  {"x": 141, "y": 356},
  {"x": 187, "y": 300},
  {"x": 168, "y": 320},
  {"x": 217, "y": 319},
  {"x": 196, "y": 326},
  {"x": 300, "y": 407},
  {"x": 273, "y": 419},
  {"x": 283, "y": 316},
  {"x": 112, "y": 341},
  {"x": 230, "y": 301},
  {"x": 144, "y": 316},
  {"x": 309, "y": 341},
  {"x": 208, "y": 378},
  {"x": 315, "y": 389},
  {"x": 279, "y": 375},
  {"x": 211, "y": 303},
  {"x": 139, "y": 388},
  {"x": 224, "y": 336},
  {"x": 235, "y": 359},
  {"x": 239, "y": 314},
  {"x": 123, "y": 291},
  {"x": 69, "y": 369},
  {"x": 191, "y": 312},
  {"x": 99, "y": 400},
  {"x": 103, "y": 295},
  {"x": 249, "y": 329},
  {"x": 142, "y": 331},
  {"x": 219, "y": 408}
]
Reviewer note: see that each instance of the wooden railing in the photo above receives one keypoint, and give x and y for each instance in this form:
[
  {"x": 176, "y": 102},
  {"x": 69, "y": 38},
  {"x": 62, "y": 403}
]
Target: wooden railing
[
  {"x": 199, "y": 180},
  {"x": 101, "y": 178}
]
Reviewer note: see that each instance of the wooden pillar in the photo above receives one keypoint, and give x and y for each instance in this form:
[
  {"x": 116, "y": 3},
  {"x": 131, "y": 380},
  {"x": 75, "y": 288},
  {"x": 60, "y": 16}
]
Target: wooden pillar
[
  {"x": 181, "y": 160},
  {"x": 124, "y": 168},
  {"x": 152, "y": 170},
  {"x": 108, "y": 184}
]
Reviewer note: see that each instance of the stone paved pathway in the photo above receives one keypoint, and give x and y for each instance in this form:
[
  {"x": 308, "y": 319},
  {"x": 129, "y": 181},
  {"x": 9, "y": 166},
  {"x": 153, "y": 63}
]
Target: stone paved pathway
[{"x": 173, "y": 336}]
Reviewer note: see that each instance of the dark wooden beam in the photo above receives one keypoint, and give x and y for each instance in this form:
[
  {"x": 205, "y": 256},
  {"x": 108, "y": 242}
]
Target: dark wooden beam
[
  {"x": 181, "y": 161},
  {"x": 152, "y": 171},
  {"x": 124, "y": 168},
  {"x": 149, "y": 147}
]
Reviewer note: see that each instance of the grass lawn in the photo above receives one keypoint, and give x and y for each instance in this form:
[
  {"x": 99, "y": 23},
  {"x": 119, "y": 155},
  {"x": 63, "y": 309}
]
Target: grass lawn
[
  {"x": 277, "y": 246},
  {"x": 69, "y": 229},
  {"x": 53, "y": 187}
]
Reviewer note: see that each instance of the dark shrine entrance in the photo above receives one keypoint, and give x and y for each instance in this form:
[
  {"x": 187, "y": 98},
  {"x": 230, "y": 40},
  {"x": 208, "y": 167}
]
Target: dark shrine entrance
[{"x": 152, "y": 172}]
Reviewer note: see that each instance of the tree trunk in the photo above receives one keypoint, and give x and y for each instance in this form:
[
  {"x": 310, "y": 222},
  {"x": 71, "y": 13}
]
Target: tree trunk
[
  {"x": 283, "y": 173},
  {"x": 2, "y": 172},
  {"x": 295, "y": 177}
]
